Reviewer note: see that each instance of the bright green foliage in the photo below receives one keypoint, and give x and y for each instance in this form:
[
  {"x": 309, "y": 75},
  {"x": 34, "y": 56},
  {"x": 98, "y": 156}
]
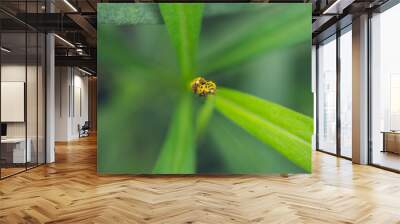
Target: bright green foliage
[
  {"x": 204, "y": 115},
  {"x": 283, "y": 26},
  {"x": 292, "y": 121},
  {"x": 169, "y": 133},
  {"x": 183, "y": 21},
  {"x": 178, "y": 152},
  {"x": 271, "y": 123},
  {"x": 244, "y": 154}
]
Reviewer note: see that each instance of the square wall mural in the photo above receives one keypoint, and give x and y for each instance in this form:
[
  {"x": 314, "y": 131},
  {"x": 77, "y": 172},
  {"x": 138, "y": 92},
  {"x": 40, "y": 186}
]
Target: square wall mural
[{"x": 204, "y": 88}]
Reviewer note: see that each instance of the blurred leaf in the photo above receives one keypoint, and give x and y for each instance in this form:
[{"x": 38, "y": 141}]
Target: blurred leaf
[
  {"x": 242, "y": 153},
  {"x": 220, "y": 9},
  {"x": 114, "y": 58},
  {"x": 127, "y": 13},
  {"x": 112, "y": 52},
  {"x": 285, "y": 25},
  {"x": 177, "y": 155},
  {"x": 131, "y": 100},
  {"x": 204, "y": 115},
  {"x": 183, "y": 22},
  {"x": 287, "y": 131}
]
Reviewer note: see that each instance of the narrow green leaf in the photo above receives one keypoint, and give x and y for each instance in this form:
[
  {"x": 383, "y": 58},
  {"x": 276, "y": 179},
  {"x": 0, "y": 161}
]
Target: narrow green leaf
[
  {"x": 183, "y": 22},
  {"x": 293, "y": 122},
  {"x": 177, "y": 155},
  {"x": 204, "y": 115},
  {"x": 242, "y": 153},
  {"x": 127, "y": 13},
  {"x": 287, "y": 131},
  {"x": 281, "y": 26}
]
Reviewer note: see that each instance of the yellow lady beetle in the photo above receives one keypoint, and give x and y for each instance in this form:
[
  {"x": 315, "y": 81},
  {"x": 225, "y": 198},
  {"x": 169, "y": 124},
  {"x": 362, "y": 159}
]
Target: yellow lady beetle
[{"x": 203, "y": 87}]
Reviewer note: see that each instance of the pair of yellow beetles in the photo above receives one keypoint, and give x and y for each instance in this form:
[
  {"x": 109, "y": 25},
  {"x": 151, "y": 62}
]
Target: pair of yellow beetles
[{"x": 203, "y": 87}]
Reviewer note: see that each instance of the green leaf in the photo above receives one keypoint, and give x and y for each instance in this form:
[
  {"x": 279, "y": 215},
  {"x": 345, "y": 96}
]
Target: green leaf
[
  {"x": 242, "y": 153},
  {"x": 183, "y": 22},
  {"x": 296, "y": 123},
  {"x": 204, "y": 115},
  {"x": 256, "y": 35},
  {"x": 114, "y": 58},
  {"x": 287, "y": 131},
  {"x": 113, "y": 52},
  {"x": 220, "y": 9},
  {"x": 177, "y": 155},
  {"x": 128, "y": 13}
]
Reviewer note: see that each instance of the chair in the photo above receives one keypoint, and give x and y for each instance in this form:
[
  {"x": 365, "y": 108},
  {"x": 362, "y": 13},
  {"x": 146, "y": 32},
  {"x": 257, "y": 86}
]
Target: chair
[{"x": 84, "y": 130}]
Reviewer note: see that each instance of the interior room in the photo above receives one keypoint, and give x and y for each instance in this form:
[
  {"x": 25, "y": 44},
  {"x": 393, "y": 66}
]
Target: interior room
[
  {"x": 97, "y": 128},
  {"x": 22, "y": 103},
  {"x": 385, "y": 90},
  {"x": 71, "y": 103}
]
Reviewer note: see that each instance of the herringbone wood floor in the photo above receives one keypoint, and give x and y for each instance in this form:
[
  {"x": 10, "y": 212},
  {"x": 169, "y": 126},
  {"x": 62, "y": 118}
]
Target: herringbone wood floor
[{"x": 70, "y": 191}]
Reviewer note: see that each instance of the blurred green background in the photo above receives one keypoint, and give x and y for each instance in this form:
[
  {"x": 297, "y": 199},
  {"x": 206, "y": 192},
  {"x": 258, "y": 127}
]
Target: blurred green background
[{"x": 260, "y": 49}]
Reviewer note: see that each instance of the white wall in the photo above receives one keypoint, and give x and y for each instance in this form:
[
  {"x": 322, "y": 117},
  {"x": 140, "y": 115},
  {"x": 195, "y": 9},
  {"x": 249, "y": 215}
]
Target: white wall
[
  {"x": 71, "y": 102},
  {"x": 33, "y": 126},
  {"x": 13, "y": 101},
  {"x": 17, "y": 73},
  {"x": 81, "y": 104},
  {"x": 62, "y": 82},
  {"x": 14, "y": 72}
]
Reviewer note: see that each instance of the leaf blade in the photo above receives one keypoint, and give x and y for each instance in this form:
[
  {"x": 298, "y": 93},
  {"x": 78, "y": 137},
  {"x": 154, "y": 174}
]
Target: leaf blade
[
  {"x": 234, "y": 144},
  {"x": 177, "y": 154},
  {"x": 274, "y": 112},
  {"x": 266, "y": 127},
  {"x": 290, "y": 25},
  {"x": 183, "y": 22},
  {"x": 204, "y": 115}
]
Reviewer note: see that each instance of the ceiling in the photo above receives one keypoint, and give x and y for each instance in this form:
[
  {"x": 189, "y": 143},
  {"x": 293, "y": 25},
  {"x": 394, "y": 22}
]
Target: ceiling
[{"x": 75, "y": 21}]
